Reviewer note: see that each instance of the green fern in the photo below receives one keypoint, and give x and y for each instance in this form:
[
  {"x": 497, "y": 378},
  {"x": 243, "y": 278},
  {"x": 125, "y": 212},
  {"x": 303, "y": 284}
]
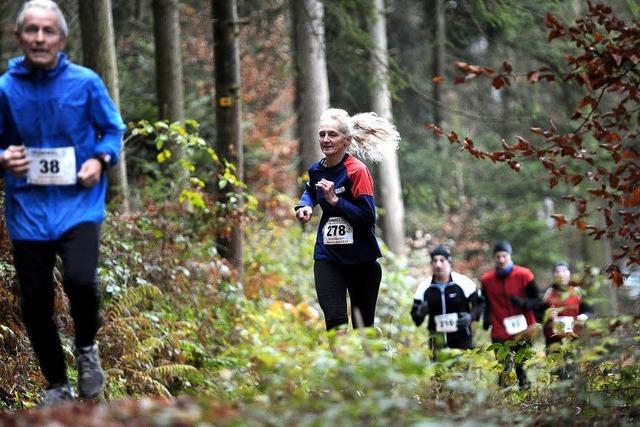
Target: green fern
[
  {"x": 165, "y": 373},
  {"x": 130, "y": 298}
]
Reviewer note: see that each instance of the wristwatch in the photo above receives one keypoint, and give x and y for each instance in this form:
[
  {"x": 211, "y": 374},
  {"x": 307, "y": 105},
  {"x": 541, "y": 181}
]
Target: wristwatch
[{"x": 105, "y": 160}]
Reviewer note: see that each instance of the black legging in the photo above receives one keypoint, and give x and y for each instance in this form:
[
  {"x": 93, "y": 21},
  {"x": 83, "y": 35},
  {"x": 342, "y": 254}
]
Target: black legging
[
  {"x": 333, "y": 280},
  {"x": 34, "y": 262}
]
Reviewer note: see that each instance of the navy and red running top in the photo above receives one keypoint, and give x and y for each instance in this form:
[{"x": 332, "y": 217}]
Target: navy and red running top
[{"x": 346, "y": 234}]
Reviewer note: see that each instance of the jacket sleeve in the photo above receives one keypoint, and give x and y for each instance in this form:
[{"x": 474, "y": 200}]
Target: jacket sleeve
[
  {"x": 533, "y": 300},
  {"x": 486, "y": 317},
  {"x": 417, "y": 314},
  {"x": 3, "y": 117},
  {"x": 361, "y": 213},
  {"x": 477, "y": 303},
  {"x": 586, "y": 308},
  {"x": 308, "y": 197},
  {"x": 107, "y": 121}
]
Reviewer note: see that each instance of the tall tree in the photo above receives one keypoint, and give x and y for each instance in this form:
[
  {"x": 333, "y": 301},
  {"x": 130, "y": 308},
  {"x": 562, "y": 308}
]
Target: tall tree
[
  {"x": 169, "y": 84},
  {"x": 312, "y": 84},
  {"x": 227, "y": 82},
  {"x": 389, "y": 175},
  {"x": 99, "y": 53},
  {"x": 438, "y": 58}
]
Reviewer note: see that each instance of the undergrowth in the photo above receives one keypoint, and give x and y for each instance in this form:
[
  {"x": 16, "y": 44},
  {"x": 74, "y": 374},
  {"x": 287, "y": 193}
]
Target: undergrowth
[{"x": 177, "y": 321}]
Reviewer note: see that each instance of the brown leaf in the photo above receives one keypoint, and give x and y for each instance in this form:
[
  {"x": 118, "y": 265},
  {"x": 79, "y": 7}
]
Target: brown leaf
[
  {"x": 612, "y": 137},
  {"x": 581, "y": 225},
  {"x": 615, "y": 275},
  {"x": 437, "y": 79},
  {"x": 560, "y": 220},
  {"x": 587, "y": 100},
  {"x": 633, "y": 199},
  {"x": 575, "y": 179},
  {"x": 435, "y": 129},
  {"x": 453, "y": 137},
  {"x": 507, "y": 67}
]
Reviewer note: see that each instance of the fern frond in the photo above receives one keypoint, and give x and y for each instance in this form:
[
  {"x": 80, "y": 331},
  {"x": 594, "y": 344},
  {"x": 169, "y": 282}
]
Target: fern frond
[{"x": 165, "y": 372}]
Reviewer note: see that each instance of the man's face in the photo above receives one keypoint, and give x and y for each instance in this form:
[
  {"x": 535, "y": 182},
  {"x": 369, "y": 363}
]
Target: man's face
[
  {"x": 503, "y": 259},
  {"x": 441, "y": 267},
  {"x": 561, "y": 275},
  {"x": 40, "y": 38}
]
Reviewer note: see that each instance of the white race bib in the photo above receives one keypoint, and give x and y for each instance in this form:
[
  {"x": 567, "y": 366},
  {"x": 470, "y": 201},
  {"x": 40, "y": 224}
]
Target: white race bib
[
  {"x": 337, "y": 231},
  {"x": 515, "y": 324},
  {"x": 447, "y": 322},
  {"x": 52, "y": 166},
  {"x": 564, "y": 324}
]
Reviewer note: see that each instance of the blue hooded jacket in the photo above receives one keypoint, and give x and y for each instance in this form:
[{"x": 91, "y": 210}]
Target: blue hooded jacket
[{"x": 67, "y": 106}]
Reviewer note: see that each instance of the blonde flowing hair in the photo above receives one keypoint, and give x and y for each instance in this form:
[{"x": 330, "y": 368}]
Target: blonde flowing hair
[{"x": 371, "y": 135}]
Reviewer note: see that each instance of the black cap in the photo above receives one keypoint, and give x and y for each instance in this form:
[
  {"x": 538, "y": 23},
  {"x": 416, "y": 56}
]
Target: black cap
[
  {"x": 560, "y": 264},
  {"x": 502, "y": 246},
  {"x": 441, "y": 250}
]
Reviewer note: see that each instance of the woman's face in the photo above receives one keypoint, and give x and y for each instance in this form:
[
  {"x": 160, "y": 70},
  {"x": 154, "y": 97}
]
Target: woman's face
[
  {"x": 561, "y": 275},
  {"x": 332, "y": 141}
]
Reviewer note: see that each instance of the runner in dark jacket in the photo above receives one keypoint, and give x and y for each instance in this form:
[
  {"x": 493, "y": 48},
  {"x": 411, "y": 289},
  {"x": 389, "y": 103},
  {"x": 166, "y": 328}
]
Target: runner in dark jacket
[
  {"x": 451, "y": 300},
  {"x": 346, "y": 249}
]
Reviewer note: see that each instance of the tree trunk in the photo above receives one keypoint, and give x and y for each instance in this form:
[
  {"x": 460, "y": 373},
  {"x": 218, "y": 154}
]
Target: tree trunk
[
  {"x": 389, "y": 175},
  {"x": 99, "y": 54},
  {"x": 312, "y": 85},
  {"x": 139, "y": 10},
  {"x": 227, "y": 82},
  {"x": 169, "y": 84},
  {"x": 438, "y": 59}
]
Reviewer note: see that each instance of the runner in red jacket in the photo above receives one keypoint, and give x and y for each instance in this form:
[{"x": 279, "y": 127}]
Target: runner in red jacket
[
  {"x": 511, "y": 297},
  {"x": 568, "y": 310}
]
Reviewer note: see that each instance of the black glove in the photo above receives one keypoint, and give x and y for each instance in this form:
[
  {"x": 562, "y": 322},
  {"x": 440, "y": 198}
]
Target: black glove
[
  {"x": 464, "y": 320},
  {"x": 517, "y": 301},
  {"x": 419, "y": 311},
  {"x": 423, "y": 309},
  {"x": 524, "y": 303}
]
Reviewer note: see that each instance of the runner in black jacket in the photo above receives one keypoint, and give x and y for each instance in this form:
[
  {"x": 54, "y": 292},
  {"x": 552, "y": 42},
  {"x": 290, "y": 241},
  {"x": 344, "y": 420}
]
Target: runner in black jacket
[{"x": 451, "y": 300}]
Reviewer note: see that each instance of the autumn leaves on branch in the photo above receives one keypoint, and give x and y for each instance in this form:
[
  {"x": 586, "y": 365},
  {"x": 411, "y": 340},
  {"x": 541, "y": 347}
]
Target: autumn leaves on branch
[{"x": 600, "y": 152}]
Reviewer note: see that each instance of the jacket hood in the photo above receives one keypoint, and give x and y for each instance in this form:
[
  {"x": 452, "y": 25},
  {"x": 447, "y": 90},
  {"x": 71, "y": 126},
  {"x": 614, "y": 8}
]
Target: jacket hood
[{"x": 17, "y": 67}]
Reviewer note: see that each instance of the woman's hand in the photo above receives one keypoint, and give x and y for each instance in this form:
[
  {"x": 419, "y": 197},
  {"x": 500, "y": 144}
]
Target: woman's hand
[
  {"x": 304, "y": 214},
  {"x": 328, "y": 189}
]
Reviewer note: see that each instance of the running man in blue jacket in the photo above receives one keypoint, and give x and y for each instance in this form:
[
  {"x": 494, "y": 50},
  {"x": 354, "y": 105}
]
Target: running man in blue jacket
[
  {"x": 59, "y": 133},
  {"x": 346, "y": 249}
]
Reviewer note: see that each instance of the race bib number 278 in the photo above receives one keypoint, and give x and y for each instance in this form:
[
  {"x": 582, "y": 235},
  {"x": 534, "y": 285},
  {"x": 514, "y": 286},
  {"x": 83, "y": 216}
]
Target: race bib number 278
[{"x": 337, "y": 231}]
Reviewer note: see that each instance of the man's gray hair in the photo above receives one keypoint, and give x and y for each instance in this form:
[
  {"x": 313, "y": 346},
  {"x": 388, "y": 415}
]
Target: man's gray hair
[{"x": 46, "y": 5}]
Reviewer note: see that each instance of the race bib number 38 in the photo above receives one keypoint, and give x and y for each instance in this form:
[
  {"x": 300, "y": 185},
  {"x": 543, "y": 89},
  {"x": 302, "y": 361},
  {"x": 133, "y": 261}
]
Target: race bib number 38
[
  {"x": 52, "y": 166},
  {"x": 337, "y": 231},
  {"x": 515, "y": 324}
]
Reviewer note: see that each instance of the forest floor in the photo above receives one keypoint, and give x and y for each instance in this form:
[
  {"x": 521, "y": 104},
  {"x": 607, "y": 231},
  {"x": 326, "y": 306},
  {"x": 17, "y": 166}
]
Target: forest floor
[{"x": 184, "y": 343}]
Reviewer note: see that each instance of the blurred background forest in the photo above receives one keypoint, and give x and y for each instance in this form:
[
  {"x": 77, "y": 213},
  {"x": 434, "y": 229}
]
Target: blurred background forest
[{"x": 222, "y": 326}]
